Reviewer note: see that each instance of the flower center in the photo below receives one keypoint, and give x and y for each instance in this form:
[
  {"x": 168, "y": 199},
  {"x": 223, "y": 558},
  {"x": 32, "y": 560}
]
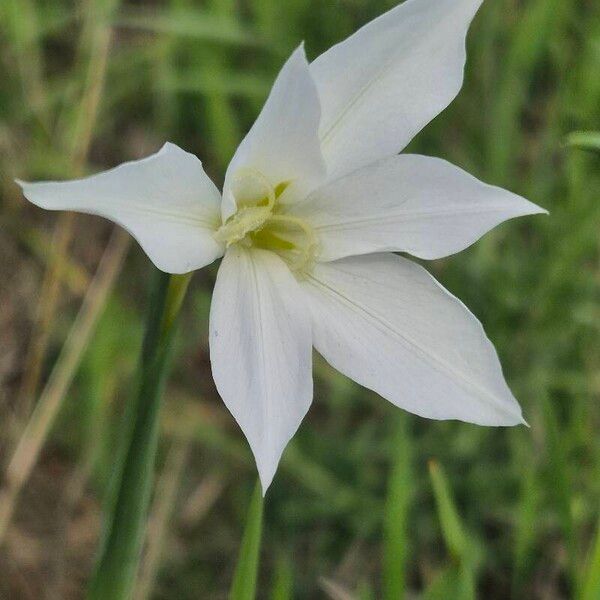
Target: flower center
[{"x": 259, "y": 222}]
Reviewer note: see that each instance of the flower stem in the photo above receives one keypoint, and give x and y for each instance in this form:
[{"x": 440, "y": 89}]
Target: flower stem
[
  {"x": 246, "y": 571},
  {"x": 126, "y": 510}
]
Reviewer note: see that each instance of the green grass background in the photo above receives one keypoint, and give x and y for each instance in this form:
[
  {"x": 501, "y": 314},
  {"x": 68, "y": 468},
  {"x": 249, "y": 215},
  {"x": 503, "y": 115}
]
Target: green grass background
[{"x": 368, "y": 502}]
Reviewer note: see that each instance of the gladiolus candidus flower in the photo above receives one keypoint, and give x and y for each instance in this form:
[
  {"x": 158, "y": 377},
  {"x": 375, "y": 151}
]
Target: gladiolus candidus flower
[{"x": 315, "y": 202}]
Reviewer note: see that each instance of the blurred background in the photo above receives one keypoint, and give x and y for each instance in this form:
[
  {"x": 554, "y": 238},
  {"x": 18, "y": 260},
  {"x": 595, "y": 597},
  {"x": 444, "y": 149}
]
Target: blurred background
[{"x": 368, "y": 501}]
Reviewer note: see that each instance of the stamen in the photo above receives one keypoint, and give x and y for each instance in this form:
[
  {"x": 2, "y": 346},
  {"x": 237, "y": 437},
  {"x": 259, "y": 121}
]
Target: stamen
[
  {"x": 258, "y": 177},
  {"x": 301, "y": 253},
  {"x": 251, "y": 214},
  {"x": 308, "y": 231},
  {"x": 243, "y": 222}
]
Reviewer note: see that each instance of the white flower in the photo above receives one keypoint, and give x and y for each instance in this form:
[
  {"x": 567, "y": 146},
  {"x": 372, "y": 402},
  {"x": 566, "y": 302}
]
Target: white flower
[{"x": 315, "y": 201}]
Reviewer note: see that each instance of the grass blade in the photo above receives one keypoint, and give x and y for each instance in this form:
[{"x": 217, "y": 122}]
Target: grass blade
[
  {"x": 191, "y": 24},
  {"x": 590, "y": 584},
  {"x": 452, "y": 529},
  {"x": 399, "y": 496},
  {"x": 463, "y": 579}
]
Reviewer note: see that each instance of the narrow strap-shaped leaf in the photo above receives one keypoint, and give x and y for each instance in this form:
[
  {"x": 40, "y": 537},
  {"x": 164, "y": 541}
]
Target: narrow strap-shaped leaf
[
  {"x": 590, "y": 582},
  {"x": 446, "y": 584},
  {"x": 399, "y": 495},
  {"x": 459, "y": 546},
  {"x": 246, "y": 571},
  {"x": 127, "y": 506},
  {"x": 452, "y": 529}
]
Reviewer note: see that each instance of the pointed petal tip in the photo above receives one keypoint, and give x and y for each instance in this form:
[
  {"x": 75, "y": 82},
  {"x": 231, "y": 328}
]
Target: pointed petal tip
[
  {"x": 34, "y": 192},
  {"x": 535, "y": 209},
  {"x": 168, "y": 146},
  {"x": 512, "y": 413},
  {"x": 266, "y": 474},
  {"x": 265, "y": 484},
  {"x": 515, "y": 419},
  {"x": 28, "y": 189},
  {"x": 299, "y": 53},
  {"x": 521, "y": 207}
]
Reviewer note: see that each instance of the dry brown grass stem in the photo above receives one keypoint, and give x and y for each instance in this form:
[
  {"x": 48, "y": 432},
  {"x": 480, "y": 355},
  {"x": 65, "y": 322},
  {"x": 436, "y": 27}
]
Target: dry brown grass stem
[
  {"x": 334, "y": 590},
  {"x": 46, "y": 310},
  {"x": 50, "y": 293},
  {"x": 36, "y": 432},
  {"x": 162, "y": 511},
  {"x": 202, "y": 499},
  {"x": 29, "y": 57}
]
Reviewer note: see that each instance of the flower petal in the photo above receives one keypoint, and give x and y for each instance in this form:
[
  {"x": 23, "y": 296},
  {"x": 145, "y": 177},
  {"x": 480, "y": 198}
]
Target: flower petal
[
  {"x": 260, "y": 351},
  {"x": 383, "y": 84},
  {"x": 166, "y": 201},
  {"x": 386, "y": 323},
  {"x": 283, "y": 144},
  {"x": 407, "y": 203}
]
